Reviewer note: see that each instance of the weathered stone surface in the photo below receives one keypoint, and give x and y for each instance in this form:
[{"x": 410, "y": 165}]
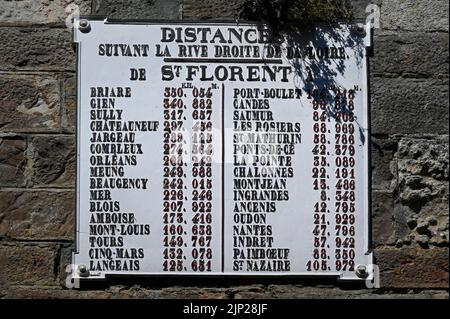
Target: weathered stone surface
[
  {"x": 437, "y": 294},
  {"x": 413, "y": 268},
  {"x": 410, "y": 54},
  {"x": 256, "y": 291},
  {"x": 24, "y": 292},
  {"x": 20, "y": 12},
  {"x": 409, "y": 106},
  {"x": 137, "y": 9},
  {"x": 230, "y": 10},
  {"x": 27, "y": 264},
  {"x": 423, "y": 189},
  {"x": 383, "y": 169},
  {"x": 193, "y": 293},
  {"x": 300, "y": 292},
  {"x": 137, "y": 291},
  {"x": 424, "y": 156},
  {"x": 36, "y": 49},
  {"x": 49, "y": 161},
  {"x": 304, "y": 292},
  {"x": 402, "y": 226},
  {"x": 134, "y": 292},
  {"x": 212, "y": 9},
  {"x": 37, "y": 215},
  {"x": 29, "y": 103},
  {"x": 69, "y": 106},
  {"x": 66, "y": 267},
  {"x": 383, "y": 230},
  {"x": 359, "y": 8},
  {"x": 271, "y": 292},
  {"x": 12, "y": 161},
  {"x": 52, "y": 161},
  {"x": 415, "y": 15}
]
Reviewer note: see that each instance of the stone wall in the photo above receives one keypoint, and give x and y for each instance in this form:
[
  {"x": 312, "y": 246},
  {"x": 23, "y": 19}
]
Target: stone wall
[{"x": 409, "y": 86}]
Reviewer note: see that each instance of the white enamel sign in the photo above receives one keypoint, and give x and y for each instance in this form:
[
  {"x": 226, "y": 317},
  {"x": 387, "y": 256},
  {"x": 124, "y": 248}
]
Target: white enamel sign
[{"x": 221, "y": 149}]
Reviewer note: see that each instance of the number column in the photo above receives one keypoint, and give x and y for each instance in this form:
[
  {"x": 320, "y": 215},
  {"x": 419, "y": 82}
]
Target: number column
[
  {"x": 174, "y": 181},
  {"x": 345, "y": 181},
  {"x": 202, "y": 183},
  {"x": 320, "y": 182}
]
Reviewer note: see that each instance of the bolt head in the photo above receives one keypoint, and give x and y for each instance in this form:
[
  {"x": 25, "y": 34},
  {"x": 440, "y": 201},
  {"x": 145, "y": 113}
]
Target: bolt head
[
  {"x": 360, "y": 29},
  {"x": 361, "y": 271},
  {"x": 82, "y": 268},
  {"x": 84, "y": 25},
  {"x": 83, "y": 271}
]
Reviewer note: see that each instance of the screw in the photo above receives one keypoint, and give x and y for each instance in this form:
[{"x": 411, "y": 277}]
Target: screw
[
  {"x": 84, "y": 26},
  {"x": 360, "y": 29},
  {"x": 83, "y": 271},
  {"x": 361, "y": 271}
]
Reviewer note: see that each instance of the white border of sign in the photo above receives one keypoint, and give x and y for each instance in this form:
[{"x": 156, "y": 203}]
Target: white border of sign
[{"x": 369, "y": 276}]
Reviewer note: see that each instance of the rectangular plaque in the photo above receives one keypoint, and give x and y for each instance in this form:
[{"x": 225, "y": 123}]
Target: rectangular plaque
[{"x": 221, "y": 149}]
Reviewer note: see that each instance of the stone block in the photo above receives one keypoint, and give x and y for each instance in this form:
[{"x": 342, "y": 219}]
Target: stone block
[
  {"x": 423, "y": 189},
  {"x": 415, "y": 15},
  {"x": 410, "y": 54},
  {"x": 29, "y": 103},
  {"x": 12, "y": 161},
  {"x": 23, "y": 12},
  {"x": 37, "y": 215},
  {"x": 383, "y": 168},
  {"x": 31, "y": 48},
  {"x": 137, "y": 9},
  {"x": 383, "y": 229},
  {"x": 212, "y": 9},
  {"x": 27, "y": 264},
  {"x": 413, "y": 268},
  {"x": 52, "y": 161},
  {"x": 409, "y": 106}
]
